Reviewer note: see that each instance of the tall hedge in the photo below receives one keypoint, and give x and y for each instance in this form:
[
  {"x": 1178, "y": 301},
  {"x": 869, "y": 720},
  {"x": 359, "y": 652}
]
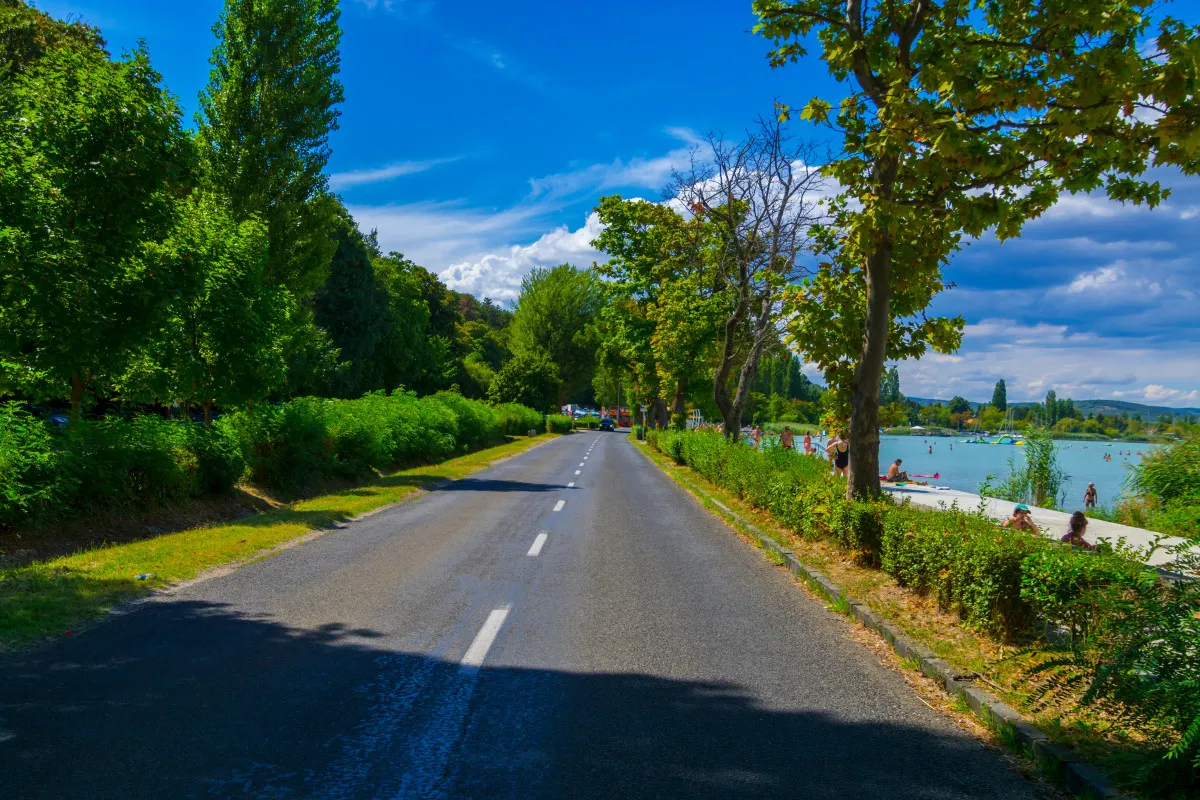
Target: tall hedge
[
  {"x": 993, "y": 577},
  {"x": 1118, "y": 631},
  {"x": 49, "y": 473}
]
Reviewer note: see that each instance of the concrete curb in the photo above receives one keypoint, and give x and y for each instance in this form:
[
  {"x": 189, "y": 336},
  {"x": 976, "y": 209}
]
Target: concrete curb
[{"x": 1080, "y": 778}]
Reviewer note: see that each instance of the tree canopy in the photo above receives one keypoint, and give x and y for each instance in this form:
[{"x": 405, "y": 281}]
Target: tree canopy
[
  {"x": 961, "y": 118},
  {"x": 78, "y": 291},
  {"x": 556, "y": 314}
]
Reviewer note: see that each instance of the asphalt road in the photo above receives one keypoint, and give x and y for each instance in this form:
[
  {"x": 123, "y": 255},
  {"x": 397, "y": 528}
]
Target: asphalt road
[{"x": 447, "y": 648}]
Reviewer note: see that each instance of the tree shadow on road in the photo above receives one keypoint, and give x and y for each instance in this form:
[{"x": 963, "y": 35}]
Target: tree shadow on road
[
  {"x": 494, "y": 485},
  {"x": 189, "y": 699}
]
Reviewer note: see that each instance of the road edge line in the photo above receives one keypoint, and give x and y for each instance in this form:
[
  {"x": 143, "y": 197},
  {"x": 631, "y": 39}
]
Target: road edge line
[{"x": 1062, "y": 763}]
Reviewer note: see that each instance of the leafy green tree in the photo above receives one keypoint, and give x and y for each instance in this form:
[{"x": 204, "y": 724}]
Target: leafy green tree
[
  {"x": 26, "y": 34},
  {"x": 221, "y": 342},
  {"x": 555, "y": 314},
  {"x": 1000, "y": 396},
  {"x": 964, "y": 117},
  {"x": 1051, "y": 408},
  {"x": 313, "y": 360},
  {"x": 529, "y": 378},
  {"x": 426, "y": 346},
  {"x": 352, "y": 305},
  {"x": 91, "y": 151},
  {"x": 266, "y": 116},
  {"x": 656, "y": 262},
  {"x": 959, "y": 405}
]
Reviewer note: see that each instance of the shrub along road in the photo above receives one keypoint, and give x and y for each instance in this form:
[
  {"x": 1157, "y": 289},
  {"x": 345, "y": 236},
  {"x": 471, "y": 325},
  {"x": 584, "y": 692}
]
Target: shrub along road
[{"x": 567, "y": 623}]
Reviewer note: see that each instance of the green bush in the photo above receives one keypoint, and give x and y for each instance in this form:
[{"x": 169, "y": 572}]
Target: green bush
[
  {"x": 968, "y": 563},
  {"x": 1132, "y": 636},
  {"x": 478, "y": 424},
  {"x": 1073, "y": 590},
  {"x": 219, "y": 460},
  {"x": 298, "y": 444},
  {"x": 35, "y": 477},
  {"x": 588, "y": 423},
  {"x": 48, "y": 473},
  {"x": 518, "y": 420},
  {"x": 559, "y": 423}
]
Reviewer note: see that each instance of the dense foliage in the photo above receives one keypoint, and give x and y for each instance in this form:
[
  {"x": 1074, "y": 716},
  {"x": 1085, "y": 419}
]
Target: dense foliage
[
  {"x": 1132, "y": 636},
  {"x": 149, "y": 269},
  {"x": 51, "y": 473},
  {"x": 555, "y": 318},
  {"x": 1164, "y": 497}
]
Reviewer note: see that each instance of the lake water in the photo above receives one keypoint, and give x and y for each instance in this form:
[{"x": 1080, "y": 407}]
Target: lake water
[{"x": 965, "y": 466}]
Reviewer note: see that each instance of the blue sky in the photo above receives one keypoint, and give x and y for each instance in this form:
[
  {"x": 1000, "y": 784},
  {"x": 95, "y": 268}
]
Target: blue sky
[{"x": 476, "y": 137}]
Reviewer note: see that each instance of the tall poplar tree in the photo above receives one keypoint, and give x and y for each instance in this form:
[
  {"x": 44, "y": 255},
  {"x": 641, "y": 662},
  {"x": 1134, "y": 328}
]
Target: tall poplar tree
[
  {"x": 1000, "y": 396},
  {"x": 266, "y": 117}
]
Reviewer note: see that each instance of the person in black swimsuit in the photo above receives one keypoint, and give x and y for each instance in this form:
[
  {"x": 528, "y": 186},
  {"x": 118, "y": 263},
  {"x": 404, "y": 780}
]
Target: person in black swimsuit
[
  {"x": 1089, "y": 497},
  {"x": 839, "y": 452}
]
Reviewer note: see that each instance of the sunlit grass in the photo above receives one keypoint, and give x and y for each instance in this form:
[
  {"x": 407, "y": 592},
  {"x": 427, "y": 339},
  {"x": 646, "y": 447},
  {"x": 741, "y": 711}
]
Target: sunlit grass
[{"x": 56, "y": 596}]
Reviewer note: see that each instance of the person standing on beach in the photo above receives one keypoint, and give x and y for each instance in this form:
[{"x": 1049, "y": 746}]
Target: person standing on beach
[
  {"x": 1089, "y": 497},
  {"x": 787, "y": 439},
  {"x": 808, "y": 448}
]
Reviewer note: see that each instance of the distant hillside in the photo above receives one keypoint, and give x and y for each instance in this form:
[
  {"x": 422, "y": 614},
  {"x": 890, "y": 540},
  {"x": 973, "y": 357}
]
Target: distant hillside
[{"x": 1106, "y": 407}]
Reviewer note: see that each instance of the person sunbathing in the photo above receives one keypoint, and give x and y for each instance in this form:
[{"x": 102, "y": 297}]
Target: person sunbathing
[{"x": 897, "y": 475}]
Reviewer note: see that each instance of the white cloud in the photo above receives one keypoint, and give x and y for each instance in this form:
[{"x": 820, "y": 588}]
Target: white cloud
[
  {"x": 1087, "y": 206},
  {"x": 1157, "y": 393},
  {"x": 344, "y": 180},
  {"x": 1096, "y": 279},
  {"x": 498, "y": 275},
  {"x": 1009, "y": 332},
  {"x": 436, "y": 235},
  {"x": 488, "y": 251},
  {"x": 649, "y": 173}
]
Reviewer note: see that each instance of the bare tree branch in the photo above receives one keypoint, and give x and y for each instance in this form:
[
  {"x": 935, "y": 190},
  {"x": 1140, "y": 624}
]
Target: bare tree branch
[{"x": 761, "y": 196}]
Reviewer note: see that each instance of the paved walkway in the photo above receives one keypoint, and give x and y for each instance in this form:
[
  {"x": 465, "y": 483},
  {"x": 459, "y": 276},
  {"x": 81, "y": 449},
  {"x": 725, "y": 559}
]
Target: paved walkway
[{"x": 1052, "y": 524}]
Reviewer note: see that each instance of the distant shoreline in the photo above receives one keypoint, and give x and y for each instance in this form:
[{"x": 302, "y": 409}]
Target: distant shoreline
[{"x": 1064, "y": 437}]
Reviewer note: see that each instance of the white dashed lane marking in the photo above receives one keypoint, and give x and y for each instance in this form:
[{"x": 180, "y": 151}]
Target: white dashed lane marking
[
  {"x": 538, "y": 542},
  {"x": 478, "y": 650},
  {"x": 559, "y": 505}
]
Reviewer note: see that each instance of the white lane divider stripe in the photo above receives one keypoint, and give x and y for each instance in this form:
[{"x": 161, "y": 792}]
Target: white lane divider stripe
[
  {"x": 559, "y": 505},
  {"x": 538, "y": 542},
  {"x": 577, "y": 471},
  {"x": 478, "y": 650},
  {"x": 571, "y": 485}
]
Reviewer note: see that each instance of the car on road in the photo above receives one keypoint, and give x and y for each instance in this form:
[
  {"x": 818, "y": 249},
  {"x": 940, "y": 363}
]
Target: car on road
[{"x": 606, "y": 424}]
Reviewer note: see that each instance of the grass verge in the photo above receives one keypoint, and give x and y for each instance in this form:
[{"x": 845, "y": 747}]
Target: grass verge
[
  {"x": 57, "y": 596},
  {"x": 1002, "y": 669}
]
